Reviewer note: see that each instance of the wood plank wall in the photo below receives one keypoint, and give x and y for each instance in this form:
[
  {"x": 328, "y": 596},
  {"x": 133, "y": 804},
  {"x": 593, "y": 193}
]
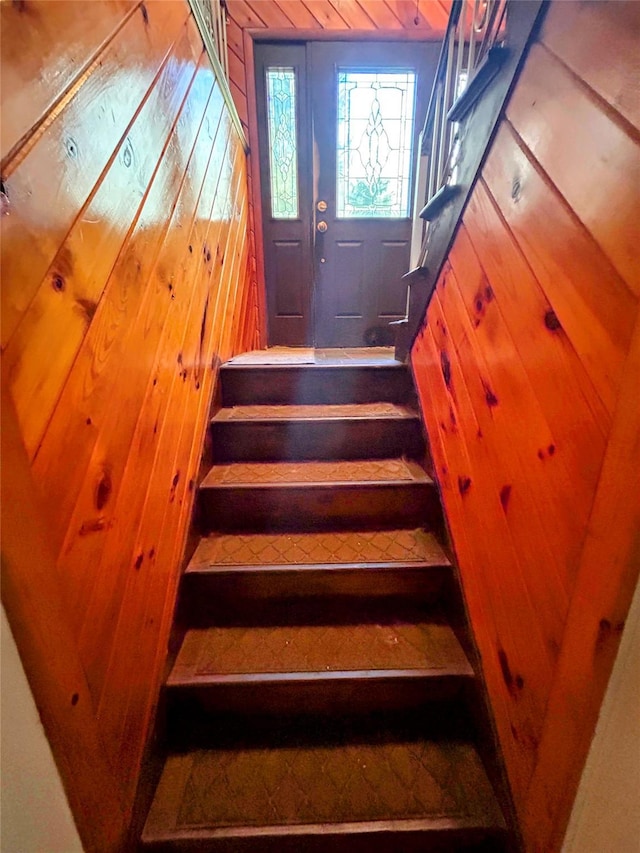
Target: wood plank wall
[
  {"x": 126, "y": 281},
  {"x": 527, "y": 368}
]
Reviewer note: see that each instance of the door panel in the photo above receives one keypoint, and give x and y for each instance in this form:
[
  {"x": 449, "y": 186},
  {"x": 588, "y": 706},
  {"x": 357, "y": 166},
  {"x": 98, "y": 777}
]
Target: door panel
[
  {"x": 347, "y": 247},
  {"x": 392, "y": 298},
  {"x": 285, "y": 152},
  {"x": 288, "y": 258},
  {"x": 366, "y": 100}
]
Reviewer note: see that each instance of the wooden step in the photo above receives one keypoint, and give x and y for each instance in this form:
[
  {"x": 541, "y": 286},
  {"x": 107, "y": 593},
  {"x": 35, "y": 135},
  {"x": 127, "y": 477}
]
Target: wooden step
[
  {"x": 379, "y": 494},
  {"x": 316, "y": 383},
  {"x": 328, "y": 668},
  {"x": 355, "y": 792},
  {"x": 235, "y": 572},
  {"x": 329, "y": 431}
]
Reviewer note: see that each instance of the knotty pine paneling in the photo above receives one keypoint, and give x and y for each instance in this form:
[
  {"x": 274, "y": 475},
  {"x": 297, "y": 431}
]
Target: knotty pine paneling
[
  {"x": 127, "y": 279},
  {"x": 527, "y": 369}
]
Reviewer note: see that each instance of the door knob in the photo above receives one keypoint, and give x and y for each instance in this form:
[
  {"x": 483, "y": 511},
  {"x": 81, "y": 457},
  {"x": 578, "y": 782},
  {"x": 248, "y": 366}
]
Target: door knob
[
  {"x": 322, "y": 226},
  {"x": 322, "y": 206}
]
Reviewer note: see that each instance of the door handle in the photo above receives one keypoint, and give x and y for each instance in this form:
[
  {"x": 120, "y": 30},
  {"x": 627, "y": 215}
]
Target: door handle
[{"x": 322, "y": 226}]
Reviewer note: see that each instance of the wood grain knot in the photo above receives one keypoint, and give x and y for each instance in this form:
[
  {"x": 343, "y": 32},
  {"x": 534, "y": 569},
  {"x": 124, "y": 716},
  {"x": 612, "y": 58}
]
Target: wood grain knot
[
  {"x": 505, "y": 494},
  {"x": 103, "y": 490},
  {"x": 490, "y": 397},
  {"x": 71, "y": 147},
  {"x": 551, "y": 321},
  {"x": 516, "y": 189},
  {"x": 445, "y": 366},
  {"x": 464, "y": 484},
  {"x": 513, "y": 683}
]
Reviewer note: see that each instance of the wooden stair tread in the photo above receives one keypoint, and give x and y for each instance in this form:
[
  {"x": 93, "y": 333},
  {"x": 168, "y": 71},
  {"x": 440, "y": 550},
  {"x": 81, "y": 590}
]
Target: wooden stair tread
[
  {"x": 341, "y": 785},
  {"x": 221, "y": 552},
  {"x": 309, "y": 412},
  {"x": 324, "y": 650},
  {"x": 312, "y": 379},
  {"x": 318, "y": 473}
]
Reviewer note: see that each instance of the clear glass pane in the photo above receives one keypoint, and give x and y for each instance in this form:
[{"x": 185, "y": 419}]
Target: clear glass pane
[
  {"x": 375, "y": 131},
  {"x": 283, "y": 150}
]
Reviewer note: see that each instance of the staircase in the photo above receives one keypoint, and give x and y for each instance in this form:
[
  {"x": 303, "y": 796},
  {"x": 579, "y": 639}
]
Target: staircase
[{"x": 319, "y": 699}]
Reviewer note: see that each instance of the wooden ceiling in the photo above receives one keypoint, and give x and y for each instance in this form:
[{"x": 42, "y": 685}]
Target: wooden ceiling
[{"x": 427, "y": 16}]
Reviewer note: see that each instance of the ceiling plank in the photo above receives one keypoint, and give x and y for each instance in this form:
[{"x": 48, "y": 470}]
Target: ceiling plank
[
  {"x": 426, "y": 11},
  {"x": 437, "y": 13},
  {"x": 243, "y": 15},
  {"x": 381, "y": 15},
  {"x": 298, "y": 14},
  {"x": 326, "y": 15},
  {"x": 353, "y": 14},
  {"x": 272, "y": 15}
]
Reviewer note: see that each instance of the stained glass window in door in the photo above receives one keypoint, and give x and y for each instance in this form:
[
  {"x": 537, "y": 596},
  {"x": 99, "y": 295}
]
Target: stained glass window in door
[
  {"x": 375, "y": 131},
  {"x": 283, "y": 151}
]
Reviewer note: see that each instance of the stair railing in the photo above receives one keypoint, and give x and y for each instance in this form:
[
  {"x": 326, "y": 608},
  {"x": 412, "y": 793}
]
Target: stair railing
[
  {"x": 211, "y": 19},
  {"x": 483, "y": 48},
  {"x": 474, "y": 36}
]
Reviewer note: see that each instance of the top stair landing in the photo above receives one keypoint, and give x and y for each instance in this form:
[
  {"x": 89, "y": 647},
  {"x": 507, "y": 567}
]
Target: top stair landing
[{"x": 292, "y": 375}]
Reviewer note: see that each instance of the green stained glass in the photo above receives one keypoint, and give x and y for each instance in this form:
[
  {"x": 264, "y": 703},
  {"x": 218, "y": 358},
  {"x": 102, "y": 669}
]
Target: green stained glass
[
  {"x": 283, "y": 151},
  {"x": 375, "y": 132}
]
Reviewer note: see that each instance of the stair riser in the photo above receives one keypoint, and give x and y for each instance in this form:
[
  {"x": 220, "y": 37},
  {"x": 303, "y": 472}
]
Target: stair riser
[
  {"x": 339, "y": 506},
  {"x": 204, "y": 598},
  {"x": 326, "y": 838},
  {"x": 314, "y": 385},
  {"x": 322, "y": 696},
  {"x": 332, "y": 438}
]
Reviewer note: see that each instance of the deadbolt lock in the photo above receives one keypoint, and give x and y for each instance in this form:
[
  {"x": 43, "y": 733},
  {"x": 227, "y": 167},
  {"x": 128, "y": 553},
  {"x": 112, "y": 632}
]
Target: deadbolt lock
[
  {"x": 322, "y": 226},
  {"x": 322, "y": 206}
]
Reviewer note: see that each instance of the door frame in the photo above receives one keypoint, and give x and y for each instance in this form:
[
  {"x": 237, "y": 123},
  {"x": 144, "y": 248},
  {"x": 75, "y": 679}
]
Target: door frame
[{"x": 250, "y": 36}]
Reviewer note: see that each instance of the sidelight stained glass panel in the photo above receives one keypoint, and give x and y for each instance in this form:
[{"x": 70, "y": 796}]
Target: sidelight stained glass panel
[
  {"x": 375, "y": 132},
  {"x": 283, "y": 149}
]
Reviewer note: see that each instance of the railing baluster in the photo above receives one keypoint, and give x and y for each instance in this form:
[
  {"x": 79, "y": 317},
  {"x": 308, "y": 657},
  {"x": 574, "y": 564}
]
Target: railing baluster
[
  {"x": 443, "y": 152},
  {"x": 472, "y": 40},
  {"x": 420, "y": 193},
  {"x": 225, "y": 52},
  {"x": 471, "y": 33},
  {"x": 461, "y": 45},
  {"x": 433, "y": 163},
  {"x": 459, "y": 59}
]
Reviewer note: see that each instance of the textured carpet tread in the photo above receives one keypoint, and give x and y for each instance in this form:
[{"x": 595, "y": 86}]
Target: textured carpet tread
[
  {"x": 338, "y": 782},
  {"x": 362, "y": 647},
  {"x": 327, "y": 411},
  {"x": 321, "y": 548},
  {"x": 359, "y": 470}
]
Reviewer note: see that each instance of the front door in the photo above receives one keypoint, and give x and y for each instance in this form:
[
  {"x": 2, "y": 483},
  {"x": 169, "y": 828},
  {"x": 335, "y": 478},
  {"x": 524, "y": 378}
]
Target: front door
[{"x": 338, "y": 125}]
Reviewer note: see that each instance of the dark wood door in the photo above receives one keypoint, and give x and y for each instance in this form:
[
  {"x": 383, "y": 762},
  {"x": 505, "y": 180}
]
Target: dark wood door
[
  {"x": 335, "y": 254},
  {"x": 284, "y": 129}
]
